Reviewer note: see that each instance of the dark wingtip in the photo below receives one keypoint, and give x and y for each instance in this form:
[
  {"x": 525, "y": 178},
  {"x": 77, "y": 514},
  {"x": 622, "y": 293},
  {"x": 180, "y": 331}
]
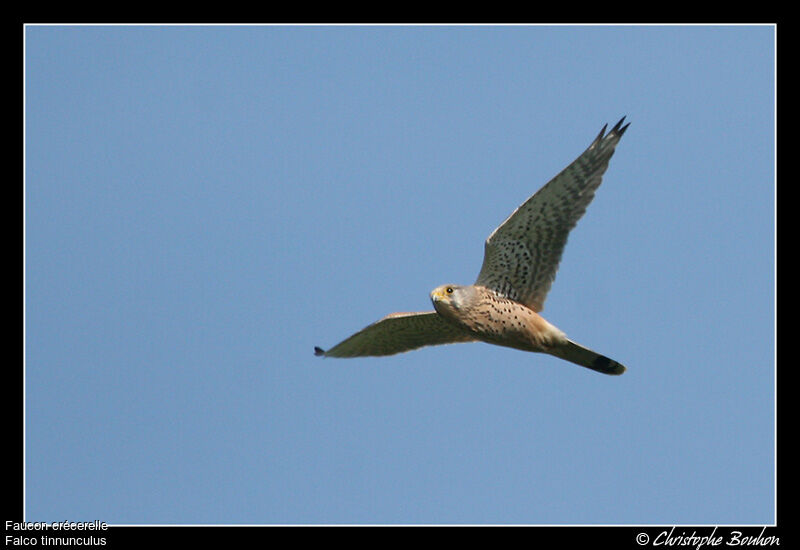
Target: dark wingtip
[
  {"x": 318, "y": 351},
  {"x": 619, "y": 128},
  {"x": 601, "y": 134}
]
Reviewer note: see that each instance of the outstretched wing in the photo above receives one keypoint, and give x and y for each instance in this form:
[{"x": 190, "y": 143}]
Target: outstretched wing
[
  {"x": 397, "y": 333},
  {"x": 522, "y": 255}
]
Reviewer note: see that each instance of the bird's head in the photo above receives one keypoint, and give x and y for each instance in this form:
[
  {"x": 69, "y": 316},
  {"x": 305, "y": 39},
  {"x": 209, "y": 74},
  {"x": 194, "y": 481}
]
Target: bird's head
[{"x": 449, "y": 299}]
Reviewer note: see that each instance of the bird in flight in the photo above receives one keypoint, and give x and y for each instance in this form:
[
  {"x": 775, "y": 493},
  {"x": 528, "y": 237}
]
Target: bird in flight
[{"x": 520, "y": 262}]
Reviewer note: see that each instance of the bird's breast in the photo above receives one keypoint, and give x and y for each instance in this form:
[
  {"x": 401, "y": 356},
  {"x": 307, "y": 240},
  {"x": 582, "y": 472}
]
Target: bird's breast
[{"x": 498, "y": 320}]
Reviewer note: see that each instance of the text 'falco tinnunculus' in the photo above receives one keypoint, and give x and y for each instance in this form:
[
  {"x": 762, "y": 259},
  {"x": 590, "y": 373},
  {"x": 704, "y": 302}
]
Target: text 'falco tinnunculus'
[{"x": 519, "y": 265}]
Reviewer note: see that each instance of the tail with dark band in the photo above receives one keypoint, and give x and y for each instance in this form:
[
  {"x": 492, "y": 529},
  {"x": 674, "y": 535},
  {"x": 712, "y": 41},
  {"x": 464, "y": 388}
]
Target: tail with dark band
[{"x": 576, "y": 353}]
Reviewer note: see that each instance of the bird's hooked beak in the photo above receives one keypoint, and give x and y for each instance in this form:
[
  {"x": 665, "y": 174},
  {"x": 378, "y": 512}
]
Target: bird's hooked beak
[{"x": 438, "y": 295}]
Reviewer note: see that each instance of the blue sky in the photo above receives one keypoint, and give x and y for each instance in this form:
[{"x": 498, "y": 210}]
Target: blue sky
[{"x": 203, "y": 205}]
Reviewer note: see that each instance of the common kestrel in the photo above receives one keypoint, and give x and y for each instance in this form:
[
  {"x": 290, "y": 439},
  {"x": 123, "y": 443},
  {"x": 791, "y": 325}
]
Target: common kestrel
[{"x": 519, "y": 264}]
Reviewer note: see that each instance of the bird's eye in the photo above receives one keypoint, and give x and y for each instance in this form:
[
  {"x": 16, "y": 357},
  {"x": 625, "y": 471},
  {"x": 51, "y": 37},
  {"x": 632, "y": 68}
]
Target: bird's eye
[{"x": 449, "y": 290}]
